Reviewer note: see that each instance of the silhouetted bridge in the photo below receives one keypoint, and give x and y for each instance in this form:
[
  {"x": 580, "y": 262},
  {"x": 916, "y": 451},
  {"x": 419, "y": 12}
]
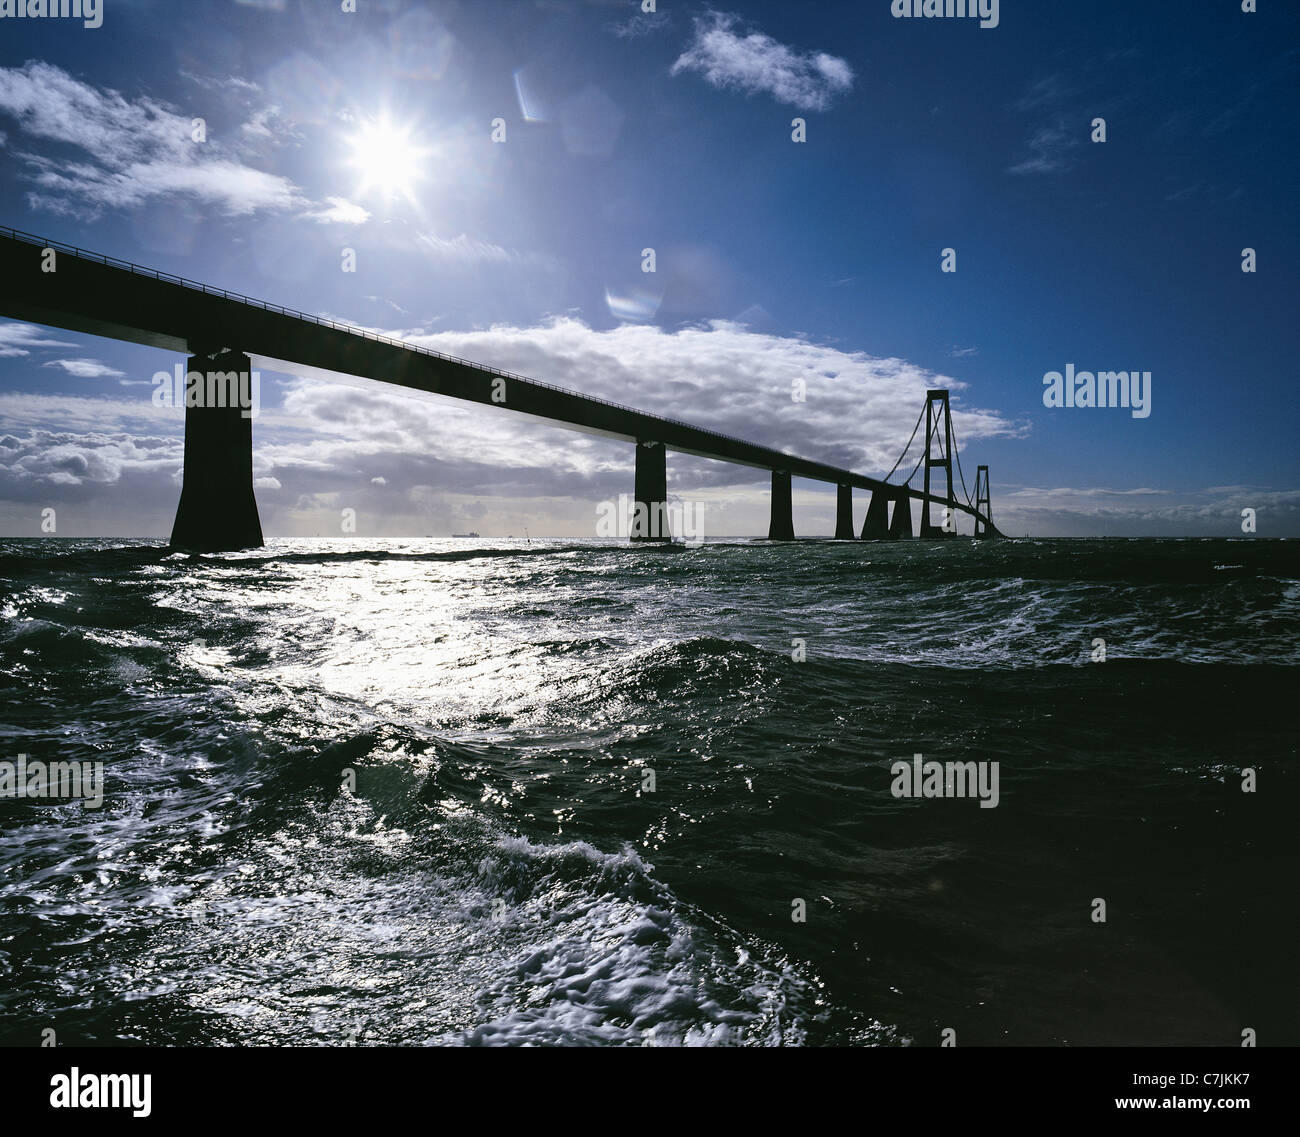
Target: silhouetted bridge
[{"x": 47, "y": 282}]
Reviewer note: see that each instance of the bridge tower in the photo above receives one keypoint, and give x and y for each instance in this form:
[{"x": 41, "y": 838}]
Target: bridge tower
[
  {"x": 936, "y": 409},
  {"x": 217, "y": 511},
  {"x": 982, "y": 506}
]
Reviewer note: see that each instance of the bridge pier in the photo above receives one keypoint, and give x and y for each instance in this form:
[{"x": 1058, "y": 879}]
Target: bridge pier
[
  {"x": 844, "y": 513},
  {"x": 900, "y": 525},
  {"x": 650, "y": 509},
  {"x": 217, "y": 510},
  {"x": 876, "y": 526},
  {"x": 781, "y": 527}
]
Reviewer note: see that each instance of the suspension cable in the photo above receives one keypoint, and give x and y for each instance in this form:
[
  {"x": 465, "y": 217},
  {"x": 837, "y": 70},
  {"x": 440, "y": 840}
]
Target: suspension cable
[
  {"x": 933, "y": 431},
  {"x": 921, "y": 458},
  {"x": 957, "y": 450},
  {"x": 907, "y": 448}
]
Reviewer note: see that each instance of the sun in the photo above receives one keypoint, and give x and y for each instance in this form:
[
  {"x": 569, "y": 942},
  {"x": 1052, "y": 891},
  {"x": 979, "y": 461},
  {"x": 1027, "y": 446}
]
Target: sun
[{"x": 389, "y": 158}]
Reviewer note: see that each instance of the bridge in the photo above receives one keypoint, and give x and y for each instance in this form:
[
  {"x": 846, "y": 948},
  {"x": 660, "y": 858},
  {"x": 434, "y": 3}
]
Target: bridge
[{"x": 58, "y": 285}]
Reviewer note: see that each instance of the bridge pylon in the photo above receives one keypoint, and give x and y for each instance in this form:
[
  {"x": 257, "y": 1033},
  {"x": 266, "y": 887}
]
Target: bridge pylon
[
  {"x": 982, "y": 505},
  {"x": 876, "y": 526},
  {"x": 650, "y": 509},
  {"x": 781, "y": 527},
  {"x": 937, "y": 411},
  {"x": 900, "y": 521},
  {"x": 218, "y": 511},
  {"x": 844, "y": 513}
]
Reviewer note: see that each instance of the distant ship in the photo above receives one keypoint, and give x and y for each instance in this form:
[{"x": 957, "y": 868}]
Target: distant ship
[{"x": 471, "y": 533}]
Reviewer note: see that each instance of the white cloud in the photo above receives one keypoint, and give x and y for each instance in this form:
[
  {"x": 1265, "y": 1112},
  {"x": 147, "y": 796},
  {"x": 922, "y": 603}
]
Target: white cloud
[
  {"x": 85, "y": 368},
  {"x": 1062, "y": 492},
  {"x": 338, "y": 211},
  {"x": 1077, "y": 511},
  {"x": 1145, "y": 512},
  {"x": 1051, "y": 149},
  {"x": 226, "y": 80},
  {"x": 393, "y": 305},
  {"x": 258, "y": 126},
  {"x": 643, "y": 24},
  {"x": 133, "y": 151},
  {"x": 54, "y": 458},
  {"x": 22, "y": 410},
  {"x": 465, "y": 248},
  {"x": 728, "y": 56},
  {"x": 17, "y": 339},
  {"x": 1057, "y": 135}
]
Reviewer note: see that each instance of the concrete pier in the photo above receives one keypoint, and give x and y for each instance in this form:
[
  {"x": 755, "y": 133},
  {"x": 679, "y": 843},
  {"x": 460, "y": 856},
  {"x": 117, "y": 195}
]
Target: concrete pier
[
  {"x": 876, "y": 526},
  {"x": 782, "y": 524},
  {"x": 217, "y": 510},
  {"x": 900, "y": 525},
  {"x": 844, "y": 513},
  {"x": 650, "y": 516}
]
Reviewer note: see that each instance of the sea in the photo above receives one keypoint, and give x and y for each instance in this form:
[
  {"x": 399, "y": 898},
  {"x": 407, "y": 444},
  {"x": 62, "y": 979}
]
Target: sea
[{"x": 576, "y": 792}]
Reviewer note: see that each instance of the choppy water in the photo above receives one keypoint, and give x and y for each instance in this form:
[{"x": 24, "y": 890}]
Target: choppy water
[{"x": 394, "y": 792}]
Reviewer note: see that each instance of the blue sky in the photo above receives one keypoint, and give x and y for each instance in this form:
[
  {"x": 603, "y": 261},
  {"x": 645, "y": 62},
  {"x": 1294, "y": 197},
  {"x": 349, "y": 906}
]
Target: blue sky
[{"x": 775, "y": 260}]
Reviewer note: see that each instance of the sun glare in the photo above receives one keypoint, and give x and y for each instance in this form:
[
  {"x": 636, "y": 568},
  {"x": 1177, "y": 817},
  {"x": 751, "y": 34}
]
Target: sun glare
[{"x": 390, "y": 161}]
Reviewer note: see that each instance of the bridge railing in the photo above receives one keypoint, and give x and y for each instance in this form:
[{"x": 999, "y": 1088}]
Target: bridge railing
[{"x": 352, "y": 329}]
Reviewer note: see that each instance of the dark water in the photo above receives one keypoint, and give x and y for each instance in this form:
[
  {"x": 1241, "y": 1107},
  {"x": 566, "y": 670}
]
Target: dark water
[{"x": 392, "y": 792}]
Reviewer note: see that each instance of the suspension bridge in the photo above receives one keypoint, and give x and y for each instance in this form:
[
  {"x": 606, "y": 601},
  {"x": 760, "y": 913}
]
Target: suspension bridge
[{"x": 59, "y": 285}]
